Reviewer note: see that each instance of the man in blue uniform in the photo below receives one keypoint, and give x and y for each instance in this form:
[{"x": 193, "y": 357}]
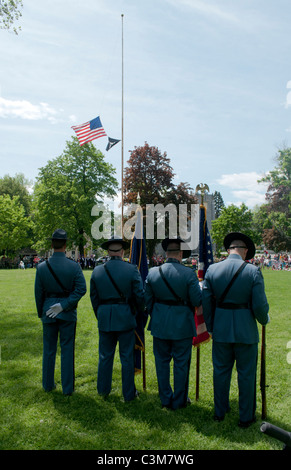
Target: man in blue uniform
[
  {"x": 59, "y": 285},
  {"x": 171, "y": 293},
  {"x": 233, "y": 324},
  {"x": 115, "y": 289}
]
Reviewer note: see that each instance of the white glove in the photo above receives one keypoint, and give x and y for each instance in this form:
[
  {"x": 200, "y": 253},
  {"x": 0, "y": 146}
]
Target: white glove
[{"x": 54, "y": 310}]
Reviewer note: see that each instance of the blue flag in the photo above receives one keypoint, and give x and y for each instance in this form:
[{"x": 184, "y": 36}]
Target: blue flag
[
  {"x": 111, "y": 143},
  {"x": 138, "y": 256},
  {"x": 205, "y": 246}
]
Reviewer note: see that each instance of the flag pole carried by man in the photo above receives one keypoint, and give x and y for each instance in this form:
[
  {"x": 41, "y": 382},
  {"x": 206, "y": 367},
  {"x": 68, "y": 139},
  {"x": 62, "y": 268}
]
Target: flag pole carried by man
[
  {"x": 205, "y": 260},
  {"x": 138, "y": 257}
]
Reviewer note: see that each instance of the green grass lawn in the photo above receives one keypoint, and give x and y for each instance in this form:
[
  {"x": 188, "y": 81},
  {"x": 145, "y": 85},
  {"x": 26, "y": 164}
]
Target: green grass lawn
[{"x": 32, "y": 419}]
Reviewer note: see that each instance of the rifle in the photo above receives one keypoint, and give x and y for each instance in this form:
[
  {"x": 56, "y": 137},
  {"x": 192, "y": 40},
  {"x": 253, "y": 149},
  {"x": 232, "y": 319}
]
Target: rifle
[
  {"x": 277, "y": 433},
  {"x": 263, "y": 373}
]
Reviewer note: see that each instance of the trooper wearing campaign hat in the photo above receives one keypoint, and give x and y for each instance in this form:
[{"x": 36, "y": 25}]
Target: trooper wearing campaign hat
[
  {"x": 59, "y": 285},
  {"x": 232, "y": 321},
  {"x": 116, "y": 292},
  {"x": 171, "y": 294}
]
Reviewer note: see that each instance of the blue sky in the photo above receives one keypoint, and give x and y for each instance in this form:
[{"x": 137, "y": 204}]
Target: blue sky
[{"x": 208, "y": 82}]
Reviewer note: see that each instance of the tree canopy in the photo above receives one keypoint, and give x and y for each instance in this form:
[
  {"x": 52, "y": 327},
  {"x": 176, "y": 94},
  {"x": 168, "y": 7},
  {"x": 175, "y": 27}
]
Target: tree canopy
[
  {"x": 274, "y": 217},
  {"x": 150, "y": 175},
  {"x": 10, "y": 11},
  {"x": 66, "y": 190},
  {"x": 15, "y": 225},
  {"x": 17, "y": 186},
  {"x": 233, "y": 219}
]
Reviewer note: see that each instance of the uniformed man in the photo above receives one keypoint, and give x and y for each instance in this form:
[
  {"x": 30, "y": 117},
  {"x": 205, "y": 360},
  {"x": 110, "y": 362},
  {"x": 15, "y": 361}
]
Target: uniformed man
[
  {"x": 233, "y": 324},
  {"x": 171, "y": 293},
  {"x": 115, "y": 289},
  {"x": 59, "y": 285}
]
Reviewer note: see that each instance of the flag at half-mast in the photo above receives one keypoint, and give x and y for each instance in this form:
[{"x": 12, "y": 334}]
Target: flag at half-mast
[
  {"x": 204, "y": 260},
  {"x": 111, "y": 143},
  {"x": 89, "y": 131},
  {"x": 138, "y": 256}
]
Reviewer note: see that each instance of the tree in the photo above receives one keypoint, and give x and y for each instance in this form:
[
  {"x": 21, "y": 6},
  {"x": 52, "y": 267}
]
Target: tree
[
  {"x": 150, "y": 175},
  {"x": 66, "y": 190},
  {"x": 276, "y": 225},
  {"x": 17, "y": 186},
  {"x": 233, "y": 219},
  {"x": 10, "y": 11},
  {"x": 218, "y": 203},
  {"x": 15, "y": 225}
]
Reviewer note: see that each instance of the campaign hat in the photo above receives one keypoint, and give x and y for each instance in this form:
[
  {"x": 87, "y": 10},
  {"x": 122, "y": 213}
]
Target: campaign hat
[
  {"x": 59, "y": 234},
  {"x": 230, "y": 237},
  {"x": 105, "y": 245},
  {"x": 167, "y": 241}
]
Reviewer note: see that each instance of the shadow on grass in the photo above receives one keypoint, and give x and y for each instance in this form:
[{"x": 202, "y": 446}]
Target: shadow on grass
[{"x": 118, "y": 423}]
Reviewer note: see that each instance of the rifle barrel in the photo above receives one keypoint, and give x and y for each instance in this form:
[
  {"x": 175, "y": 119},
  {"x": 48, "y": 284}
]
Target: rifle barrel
[{"x": 277, "y": 433}]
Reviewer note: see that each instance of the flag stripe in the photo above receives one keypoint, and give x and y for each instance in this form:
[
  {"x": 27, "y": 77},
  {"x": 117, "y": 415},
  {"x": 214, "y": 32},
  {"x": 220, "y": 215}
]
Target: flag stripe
[{"x": 201, "y": 329}]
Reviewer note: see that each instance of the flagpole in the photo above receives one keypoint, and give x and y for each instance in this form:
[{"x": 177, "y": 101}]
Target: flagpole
[
  {"x": 202, "y": 188},
  {"x": 122, "y": 122}
]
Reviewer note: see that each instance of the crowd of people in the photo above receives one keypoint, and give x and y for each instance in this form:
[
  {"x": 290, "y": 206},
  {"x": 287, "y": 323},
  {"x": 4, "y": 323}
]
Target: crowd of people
[{"x": 276, "y": 262}]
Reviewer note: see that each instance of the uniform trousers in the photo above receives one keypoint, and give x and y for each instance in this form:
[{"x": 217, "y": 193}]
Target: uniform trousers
[
  {"x": 180, "y": 351},
  {"x": 224, "y": 355},
  {"x": 67, "y": 332},
  {"x": 107, "y": 346}
]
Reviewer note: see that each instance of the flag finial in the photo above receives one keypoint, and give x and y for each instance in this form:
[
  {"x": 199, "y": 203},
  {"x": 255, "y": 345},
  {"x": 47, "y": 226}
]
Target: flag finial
[{"x": 202, "y": 187}]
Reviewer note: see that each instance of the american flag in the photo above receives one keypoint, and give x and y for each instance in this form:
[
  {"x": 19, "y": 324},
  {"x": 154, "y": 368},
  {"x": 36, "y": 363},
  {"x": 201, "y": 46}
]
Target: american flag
[
  {"x": 89, "y": 131},
  {"x": 138, "y": 256},
  {"x": 205, "y": 259}
]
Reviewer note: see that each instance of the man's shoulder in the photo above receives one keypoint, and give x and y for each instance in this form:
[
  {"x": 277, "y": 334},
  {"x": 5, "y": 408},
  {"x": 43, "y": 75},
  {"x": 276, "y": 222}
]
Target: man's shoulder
[
  {"x": 153, "y": 272},
  {"x": 69, "y": 262},
  {"x": 218, "y": 266}
]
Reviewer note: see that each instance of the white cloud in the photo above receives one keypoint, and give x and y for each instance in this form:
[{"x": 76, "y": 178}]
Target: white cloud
[
  {"x": 288, "y": 96},
  {"x": 72, "y": 118},
  {"x": 206, "y": 8},
  {"x": 288, "y": 100},
  {"x": 25, "y": 110},
  {"x": 244, "y": 187}
]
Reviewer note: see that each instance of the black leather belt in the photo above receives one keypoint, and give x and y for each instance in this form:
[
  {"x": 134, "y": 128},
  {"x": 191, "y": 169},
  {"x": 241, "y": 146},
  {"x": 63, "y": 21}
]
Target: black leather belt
[
  {"x": 171, "y": 302},
  {"x": 112, "y": 301},
  {"x": 230, "y": 306},
  {"x": 57, "y": 294}
]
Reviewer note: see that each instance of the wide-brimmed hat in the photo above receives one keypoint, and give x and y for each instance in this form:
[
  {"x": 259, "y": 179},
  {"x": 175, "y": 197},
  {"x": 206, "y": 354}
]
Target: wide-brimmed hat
[
  {"x": 230, "y": 237},
  {"x": 167, "y": 241},
  {"x": 105, "y": 245},
  {"x": 59, "y": 234}
]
